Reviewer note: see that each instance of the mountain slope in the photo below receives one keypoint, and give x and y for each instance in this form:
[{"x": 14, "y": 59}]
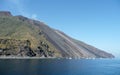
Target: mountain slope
[{"x": 21, "y": 36}]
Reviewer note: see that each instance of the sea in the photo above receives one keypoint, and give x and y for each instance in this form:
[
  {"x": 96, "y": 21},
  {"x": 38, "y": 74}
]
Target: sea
[{"x": 59, "y": 67}]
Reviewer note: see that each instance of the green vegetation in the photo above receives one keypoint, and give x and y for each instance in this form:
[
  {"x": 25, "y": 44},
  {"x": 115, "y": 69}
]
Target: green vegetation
[
  {"x": 14, "y": 31},
  {"x": 23, "y": 37}
]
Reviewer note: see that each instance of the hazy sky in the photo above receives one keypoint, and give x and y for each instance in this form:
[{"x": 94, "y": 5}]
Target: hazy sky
[{"x": 96, "y": 22}]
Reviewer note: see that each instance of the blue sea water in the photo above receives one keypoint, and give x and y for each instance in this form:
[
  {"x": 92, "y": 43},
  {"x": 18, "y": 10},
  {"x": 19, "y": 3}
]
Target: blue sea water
[{"x": 59, "y": 67}]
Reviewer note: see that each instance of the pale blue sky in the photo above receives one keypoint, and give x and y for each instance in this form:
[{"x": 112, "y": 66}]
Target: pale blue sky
[{"x": 96, "y": 22}]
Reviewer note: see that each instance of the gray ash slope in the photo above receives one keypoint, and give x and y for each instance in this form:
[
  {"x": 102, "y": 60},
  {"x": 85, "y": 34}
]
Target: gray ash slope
[{"x": 63, "y": 44}]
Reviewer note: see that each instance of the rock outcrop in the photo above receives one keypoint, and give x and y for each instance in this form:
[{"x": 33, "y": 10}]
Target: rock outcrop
[
  {"x": 5, "y": 13},
  {"x": 14, "y": 47}
]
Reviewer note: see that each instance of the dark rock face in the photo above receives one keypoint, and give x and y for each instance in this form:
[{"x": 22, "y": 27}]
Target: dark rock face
[
  {"x": 14, "y": 47},
  {"x": 41, "y": 41}
]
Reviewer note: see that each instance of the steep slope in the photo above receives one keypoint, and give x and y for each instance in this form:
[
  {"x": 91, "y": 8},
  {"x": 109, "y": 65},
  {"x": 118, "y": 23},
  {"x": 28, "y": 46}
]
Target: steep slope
[
  {"x": 85, "y": 49},
  {"x": 70, "y": 47},
  {"x": 21, "y": 36}
]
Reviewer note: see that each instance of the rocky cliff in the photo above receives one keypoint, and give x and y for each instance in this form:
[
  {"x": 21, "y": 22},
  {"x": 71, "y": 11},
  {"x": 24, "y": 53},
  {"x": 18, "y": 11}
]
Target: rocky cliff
[{"x": 21, "y": 36}]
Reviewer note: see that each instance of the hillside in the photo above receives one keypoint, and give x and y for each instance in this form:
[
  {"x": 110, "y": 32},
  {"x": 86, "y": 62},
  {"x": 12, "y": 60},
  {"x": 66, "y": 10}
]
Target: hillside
[{"x": 24, "y": 37}]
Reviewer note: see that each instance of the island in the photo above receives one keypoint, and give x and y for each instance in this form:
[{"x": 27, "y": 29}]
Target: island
[{"x": 22, "y": 37}]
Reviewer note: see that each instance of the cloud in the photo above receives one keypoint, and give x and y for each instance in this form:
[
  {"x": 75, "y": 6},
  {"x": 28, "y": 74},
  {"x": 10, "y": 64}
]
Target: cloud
[
  {"x": 15, "y": 1},
  {"x": 20, "y": 8},
  {"x": 17, "y": 4},
  {"x": 34, "y": 16}
]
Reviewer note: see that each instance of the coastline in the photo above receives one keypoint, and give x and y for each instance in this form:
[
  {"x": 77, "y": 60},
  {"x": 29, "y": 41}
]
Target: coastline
[
  {"x": 28, "y": 58},
  {"x": 13, "y": 57}
]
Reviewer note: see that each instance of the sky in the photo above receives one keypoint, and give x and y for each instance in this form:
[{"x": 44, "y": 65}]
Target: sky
[{"x": 95, "y": 22}]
